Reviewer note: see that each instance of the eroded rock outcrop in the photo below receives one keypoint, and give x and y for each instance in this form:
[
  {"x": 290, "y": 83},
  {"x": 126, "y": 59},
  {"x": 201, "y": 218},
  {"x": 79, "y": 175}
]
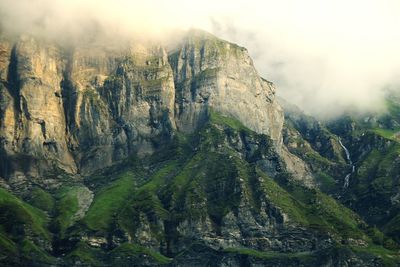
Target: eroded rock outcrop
[
  {"x": 209, "y": 72},
  {"x": 82, "y": 108},
  {"x": 32, "y": 115}
]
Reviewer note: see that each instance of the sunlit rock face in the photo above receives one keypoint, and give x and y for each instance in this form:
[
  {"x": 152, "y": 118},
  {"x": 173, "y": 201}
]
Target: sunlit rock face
[
  {"x": 84, "y": 107},
  {"x": 212, "y": 73},
  {"x": 133, "y": 153},
  {"x": 33, "y": 127}
]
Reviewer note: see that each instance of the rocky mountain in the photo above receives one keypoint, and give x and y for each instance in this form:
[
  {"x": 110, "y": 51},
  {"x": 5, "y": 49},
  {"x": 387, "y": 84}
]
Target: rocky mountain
[
  {"x": 139, "y": 154},
  {"x": 84, "y": 108}
]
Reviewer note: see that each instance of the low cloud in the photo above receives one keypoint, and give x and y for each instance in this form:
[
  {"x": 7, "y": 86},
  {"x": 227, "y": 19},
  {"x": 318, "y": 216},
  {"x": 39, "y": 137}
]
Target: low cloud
[{"x": 325, "y": 56}]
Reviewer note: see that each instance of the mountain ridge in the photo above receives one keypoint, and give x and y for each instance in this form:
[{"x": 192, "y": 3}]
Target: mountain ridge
[
  {"x": 183, "y": 158},
  {"x": 84, "y": 83}
]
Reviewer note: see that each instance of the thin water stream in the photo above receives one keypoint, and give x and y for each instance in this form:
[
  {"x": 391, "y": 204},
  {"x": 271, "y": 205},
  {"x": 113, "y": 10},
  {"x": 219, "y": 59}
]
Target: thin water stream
[{"x": 353, "y": 168}]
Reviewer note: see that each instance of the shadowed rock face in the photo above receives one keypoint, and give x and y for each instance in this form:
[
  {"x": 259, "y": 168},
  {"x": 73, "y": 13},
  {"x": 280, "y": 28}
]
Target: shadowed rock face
[
  {"x": 32, "y": 115},
  {"x": 82, "y": 108},
  {"x": 134, "y": 155}
]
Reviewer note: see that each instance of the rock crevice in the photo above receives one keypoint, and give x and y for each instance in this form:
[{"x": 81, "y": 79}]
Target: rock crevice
[{"x": 80, "y": 109}]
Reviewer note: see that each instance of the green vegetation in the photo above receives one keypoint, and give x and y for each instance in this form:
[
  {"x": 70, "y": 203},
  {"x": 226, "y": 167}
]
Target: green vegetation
[
  {"x": 86, "y": 255},
  {"x": 34, "y": 254},
  {"x": 7, "y": 246},
  {"x": 269, "y": 254},
  {"x": 145, "y": 200},
  {"x": 218, "y": 118},
  {"x": 311, "y": 208},
  {"x": 316, "y": 158},
  {"x": 67, "y": 207},
  {"x": 328, "y": 214},
  {"x": 127, "y": 250},
  {"x": 221, "y": 182},
  {"x": 14, "y": 213},
  {"x": 389, "y": 257},
  {"x": 374, "y": 183},
  {"x": 326, "y": 182},
  {"x": 108, "y": 201},
  {"x": 18, "y": 220},
  {"x": 198, "y": 177},
  {"x": 41, "y": 199},
  {"x": 392, "y": 134},
  {"x": 282, "y": 199},
  {"x": 392, "y": 228}
]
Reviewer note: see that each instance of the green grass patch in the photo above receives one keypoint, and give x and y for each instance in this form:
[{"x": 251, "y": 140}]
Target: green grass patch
[
  {"x": 136, "y": 251},
  {"x": 33, "y": 254},
  {"x": 221, "y": 184},
  {"x": 145, "y": 200},
  {"x": 14, "y": 212},
  {"x": 218, "y": 118},
  {"x": 7, "y": 246},
  {"x": 269, "y": 254},
  {"x": 108, "y": 201},
  {"x": 392, "y": 228},
  {"x": 392, "y": 134},
  {"x": 327, "y": 214},
  {"x": 389, "y": 257},
  {"x": 67, "y": 206},
  {"x": 326, "y": 182},
  {"x": 41, "y": 199},
  {"x": 312, "y": 208},
  {"x": 315, "y": 157},
  {"x": 377, "y": 173},
  {"x": 160, "y": 176},
  {"x": 86, "y": 255},
  {"x": 282, "y": 199}
]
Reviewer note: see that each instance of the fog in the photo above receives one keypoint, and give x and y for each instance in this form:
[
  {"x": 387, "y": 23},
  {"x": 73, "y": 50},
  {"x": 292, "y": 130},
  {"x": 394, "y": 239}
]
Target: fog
[{"x": 325, "y": 56}]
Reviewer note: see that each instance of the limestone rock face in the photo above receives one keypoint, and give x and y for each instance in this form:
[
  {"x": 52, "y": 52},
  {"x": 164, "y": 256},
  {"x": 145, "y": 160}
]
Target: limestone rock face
[
  {"x": 118, "y": 102},
  {"x": 201, "y": 169},
  {"x": 33, "y": 121},
  {"x": 209, "y": 72},
  {"x": 82, "y": 108}
]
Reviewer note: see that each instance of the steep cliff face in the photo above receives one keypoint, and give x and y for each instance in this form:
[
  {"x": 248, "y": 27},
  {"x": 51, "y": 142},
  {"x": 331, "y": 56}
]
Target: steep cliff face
[
  {"x": 32, "y": 115},
  {"x": 220, "y": 196},
  {"x": 374, "y": 148},
  {"x": 119, "y": 103},
  {"x": 208, "y": 72},
  {"x": 354, "y": 158},
  {"x": 129, "y": 154},
  {"x": 82, "y": 108}
]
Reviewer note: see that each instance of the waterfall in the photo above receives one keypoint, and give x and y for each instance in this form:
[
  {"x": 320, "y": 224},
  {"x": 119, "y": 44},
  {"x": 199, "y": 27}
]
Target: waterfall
[
  {"x": 353, "y": 168},
  {"x": 346, "y": 151}
]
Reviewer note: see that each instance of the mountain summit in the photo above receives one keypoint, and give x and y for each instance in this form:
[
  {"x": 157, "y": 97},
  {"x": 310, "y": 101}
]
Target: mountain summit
[
  {"x": 83, "y": 108},
  {"x": 139, "y": 155}
]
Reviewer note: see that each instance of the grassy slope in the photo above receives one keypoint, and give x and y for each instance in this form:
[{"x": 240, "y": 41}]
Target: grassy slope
[
  {"x": 189, "y": 183},
  {"x": 176, "y": 189},
  {"x": 15, "y": 212},
  {"x": 108, "y": 201},
  {"x": 373, "y": 141},
  {"x": 17, "y": 219},
  {"x": 67, "y": 207},
  {"x": 306, "y": 207},
  {"x": 127, "y": 250},
  {"x": 41, "y": 199}
]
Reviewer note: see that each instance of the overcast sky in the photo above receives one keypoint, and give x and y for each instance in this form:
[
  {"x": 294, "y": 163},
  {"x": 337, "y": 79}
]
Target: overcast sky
[{"x": 324, "y": 55}]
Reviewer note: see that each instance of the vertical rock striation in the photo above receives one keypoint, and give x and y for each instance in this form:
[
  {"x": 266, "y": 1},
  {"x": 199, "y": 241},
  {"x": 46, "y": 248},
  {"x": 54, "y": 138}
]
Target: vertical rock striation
[
  {"x": 209, "y": 72},
  {"x": 79, "y": 109},
  {"x": 32, "y": 115}
]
